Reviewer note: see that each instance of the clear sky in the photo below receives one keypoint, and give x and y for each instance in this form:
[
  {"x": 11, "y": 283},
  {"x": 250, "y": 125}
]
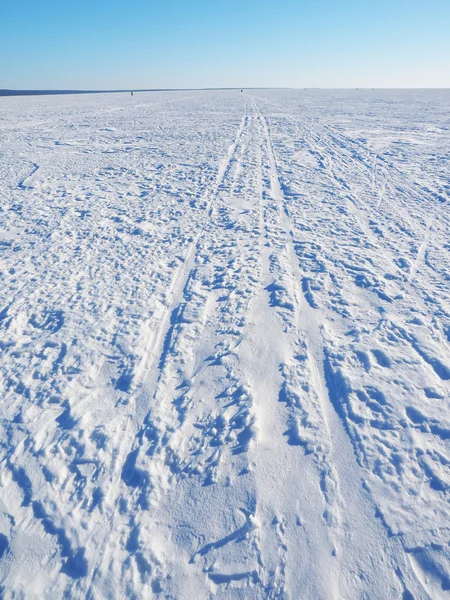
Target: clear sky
[{"x": 121, "y": 44}]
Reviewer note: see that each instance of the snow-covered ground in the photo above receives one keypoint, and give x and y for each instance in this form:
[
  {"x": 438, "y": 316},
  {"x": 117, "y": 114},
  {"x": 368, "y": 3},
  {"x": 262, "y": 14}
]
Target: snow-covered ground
[{"x": 225, "y": 345}]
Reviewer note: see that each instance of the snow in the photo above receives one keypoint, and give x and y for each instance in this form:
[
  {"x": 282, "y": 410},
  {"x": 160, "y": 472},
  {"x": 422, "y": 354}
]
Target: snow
[{"x": 225, "y": 345}]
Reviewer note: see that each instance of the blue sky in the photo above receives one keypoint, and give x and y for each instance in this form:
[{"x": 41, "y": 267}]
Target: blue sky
[{"x": 112, "y": 44}]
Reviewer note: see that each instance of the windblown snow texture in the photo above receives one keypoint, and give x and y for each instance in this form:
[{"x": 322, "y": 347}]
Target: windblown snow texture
[{"x": 225, "y": 345}]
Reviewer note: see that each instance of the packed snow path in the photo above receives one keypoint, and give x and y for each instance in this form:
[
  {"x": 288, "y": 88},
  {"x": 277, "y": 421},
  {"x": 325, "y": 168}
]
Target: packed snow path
[{"x": 225, "y": 345}]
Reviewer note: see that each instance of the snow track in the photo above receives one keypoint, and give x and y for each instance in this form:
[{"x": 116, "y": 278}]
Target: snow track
[{"x": 225, "y": 338}]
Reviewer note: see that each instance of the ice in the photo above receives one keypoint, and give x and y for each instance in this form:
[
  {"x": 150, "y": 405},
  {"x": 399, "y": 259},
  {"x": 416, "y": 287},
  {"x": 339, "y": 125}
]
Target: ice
[{"x": 225, "y": 345}]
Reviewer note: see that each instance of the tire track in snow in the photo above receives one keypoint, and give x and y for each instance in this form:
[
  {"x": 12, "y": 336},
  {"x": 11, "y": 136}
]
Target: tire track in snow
[
  {"x": 281, "y": 528},
  {"x": 303, "y": 390},
  {"x": 308, "y": 327},
  {"x": 335, "y": 457},
  {"x": 169, "y": 452},
  {"x": 151, "y": 365}
]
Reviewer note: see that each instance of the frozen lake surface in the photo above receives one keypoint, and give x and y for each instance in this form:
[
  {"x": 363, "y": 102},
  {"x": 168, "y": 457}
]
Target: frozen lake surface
[{"x": 225, "y": 345}]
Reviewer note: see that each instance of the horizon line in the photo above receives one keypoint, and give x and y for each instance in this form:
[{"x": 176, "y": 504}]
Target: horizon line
[{"x": 5, "y": 92}]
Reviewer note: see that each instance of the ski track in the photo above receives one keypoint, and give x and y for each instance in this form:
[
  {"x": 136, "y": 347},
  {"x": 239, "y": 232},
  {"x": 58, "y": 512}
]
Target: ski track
[{"x": 225, "y": 338}]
